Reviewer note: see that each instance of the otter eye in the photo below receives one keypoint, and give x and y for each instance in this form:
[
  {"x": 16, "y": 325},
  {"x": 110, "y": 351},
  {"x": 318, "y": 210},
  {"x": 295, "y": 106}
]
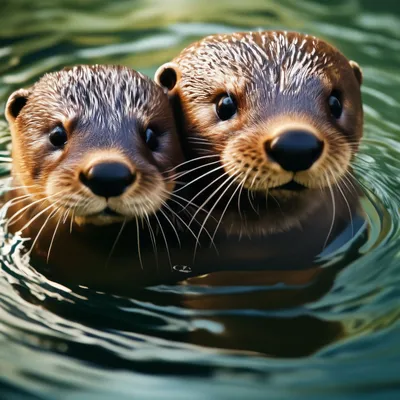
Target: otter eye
[
  {"x": 226, "y": 108},
  {"x": 335, "y": 105},
  {"x": 151, "y": 139},
  {"x": 58, "y": 137}
]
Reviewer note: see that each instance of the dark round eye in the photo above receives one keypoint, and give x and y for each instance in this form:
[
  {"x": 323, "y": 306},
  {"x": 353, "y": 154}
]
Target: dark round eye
[
  {"x": 58, "y": 137},
  {"x": 335, "y": 105},
  {"x": 151, "y": 139},
  {"x": 226, "y": 107}
]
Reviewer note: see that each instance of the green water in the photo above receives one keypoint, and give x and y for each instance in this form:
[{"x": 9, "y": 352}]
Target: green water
[{"x": 341, "y": 343}]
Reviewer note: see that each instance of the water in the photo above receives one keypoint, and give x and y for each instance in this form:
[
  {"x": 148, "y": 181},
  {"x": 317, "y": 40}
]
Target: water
[{"x": 336, "y": 337}]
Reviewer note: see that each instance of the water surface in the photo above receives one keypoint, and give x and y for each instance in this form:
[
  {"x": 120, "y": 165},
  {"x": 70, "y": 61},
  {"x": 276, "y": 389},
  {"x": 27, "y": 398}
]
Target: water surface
[{"x": 335, "y": 336}]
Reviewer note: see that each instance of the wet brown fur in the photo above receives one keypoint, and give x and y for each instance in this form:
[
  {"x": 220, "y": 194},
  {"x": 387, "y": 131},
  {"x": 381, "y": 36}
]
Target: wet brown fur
[
  {"x": 280, "y": 81},
  {"x": 104, "y": 110}
]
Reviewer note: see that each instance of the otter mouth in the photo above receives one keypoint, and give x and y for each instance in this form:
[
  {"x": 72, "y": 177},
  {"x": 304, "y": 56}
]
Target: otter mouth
[
  {"x": 109, "y": 213},
  {"x": 106, "y": 212},
  {"x": 292, "y": 185},
  {"x": 106, "y": 216}
]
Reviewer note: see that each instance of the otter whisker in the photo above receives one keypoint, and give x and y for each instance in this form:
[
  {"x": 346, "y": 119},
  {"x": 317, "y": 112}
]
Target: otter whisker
[
  {"x": 191, "y": 160},
  {"x": 11, "y": 188},
  {"x": 177, "y": 176},
  {"x": 73, "y": 208},
  {"x": 53, "y": 237},
  {"x": 348, "y": 207},
  {"x": 188, "y": 227},
  {"x": 357, "y": 180},
  {"x": 34, "y": 218},
  {"x": 12, "y": 220},
  {"x": 115, "y": 243},
  {"x": 172, "y": 226},
  {"x": 241, "y": 190},
  {"x": 348, "y": 183},
  {"x": 227, "y": 205},
  {"x": 229, "y": 184},
  {"x": 189, "y": 202},
  {"x": 165, "y": 240},
  {"x": 201, "y": 176},
  {"x": 43, "y": 226},
  {"x": 16, "y": 200},
  {"x": 138, "y": 243},
  {"x": 153, "y": 238},
  {"x": 190, "y": 215},
  {"x": 253, "y": 191},
  {"x": 333, "y": 211},
  {"x": 66, "y": 213},
  {"x": 205, "y": 188}
]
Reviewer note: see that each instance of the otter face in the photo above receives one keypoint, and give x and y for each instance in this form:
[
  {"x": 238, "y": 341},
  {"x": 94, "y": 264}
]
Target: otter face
[
  {"x": 96, "y": 143},
  {"x": 282, "y": 110}
]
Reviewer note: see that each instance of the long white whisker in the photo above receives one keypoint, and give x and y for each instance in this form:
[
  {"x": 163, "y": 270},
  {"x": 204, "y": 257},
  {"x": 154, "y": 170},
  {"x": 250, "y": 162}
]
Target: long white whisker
[
  {"x": 165, "y": 240},
  {"x": 172, "y": 226},
  {"x": 138, "y": 243},
  {"x": 115, "y": 242},
  {"x": 53, "y": 237},
  {"x": 189, "y": 171},
  {"x": 226, "y": 207},
  {"x": 233, "y": 180},
  {"x": 41, "y": 229},
  {"x": 205, "y": 188},
  {"x": 200, "y": 177},
  {"x": 153, "y": 238},
  {"x": 333, "y": 212},
  {"x": 192, "y": 160}
]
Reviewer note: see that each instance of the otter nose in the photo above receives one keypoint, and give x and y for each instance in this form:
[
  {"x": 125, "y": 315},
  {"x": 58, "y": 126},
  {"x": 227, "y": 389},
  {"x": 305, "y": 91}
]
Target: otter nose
[
  {"x": 295, "y": 150},
  {"x": 108, "y": 179}
]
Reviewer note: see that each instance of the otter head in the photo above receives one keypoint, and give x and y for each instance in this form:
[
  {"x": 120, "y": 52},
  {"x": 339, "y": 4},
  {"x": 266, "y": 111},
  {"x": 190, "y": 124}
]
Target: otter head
[
  {"x": 282, "y": 110},
  {"x": 95, "y": 142}
]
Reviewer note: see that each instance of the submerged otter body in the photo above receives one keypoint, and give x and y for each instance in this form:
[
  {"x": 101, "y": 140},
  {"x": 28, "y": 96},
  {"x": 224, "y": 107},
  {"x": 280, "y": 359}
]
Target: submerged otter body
[{"x": 94, "y": 150}]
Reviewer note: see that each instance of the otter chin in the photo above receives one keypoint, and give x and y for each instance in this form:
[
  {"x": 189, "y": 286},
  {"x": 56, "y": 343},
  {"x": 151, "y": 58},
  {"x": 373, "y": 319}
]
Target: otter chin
[
  {"x": 273, "y": 119},
  {"x": 94, "y": 143}
]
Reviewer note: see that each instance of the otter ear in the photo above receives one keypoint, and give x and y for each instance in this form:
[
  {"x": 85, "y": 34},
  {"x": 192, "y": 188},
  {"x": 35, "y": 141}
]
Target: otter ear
[
  {"x": 357, "y": 71},
  {"x": 15, "y": 103},
  {"x": 167, "y": 76}
]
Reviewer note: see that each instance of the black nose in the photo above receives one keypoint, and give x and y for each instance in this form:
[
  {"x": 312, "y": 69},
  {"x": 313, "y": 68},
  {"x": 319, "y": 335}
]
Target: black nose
[
  {"x": 108, "y": 179},
  {"x": 295, "y": 150}
]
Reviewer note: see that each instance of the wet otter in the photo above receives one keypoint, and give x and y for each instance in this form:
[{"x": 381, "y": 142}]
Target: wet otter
[
  {"x": 274, "y": 120},
  {"x": 94, "y": 150}
]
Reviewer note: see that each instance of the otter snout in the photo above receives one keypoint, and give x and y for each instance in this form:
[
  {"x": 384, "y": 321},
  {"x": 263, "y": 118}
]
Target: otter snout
[
  {"x": 108, "y": 179},
  {"x": 294, "y": 150}
]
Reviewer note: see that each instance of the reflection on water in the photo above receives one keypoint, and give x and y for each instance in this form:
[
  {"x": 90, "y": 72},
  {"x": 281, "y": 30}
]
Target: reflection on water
[{"x": 316, "y": 333}]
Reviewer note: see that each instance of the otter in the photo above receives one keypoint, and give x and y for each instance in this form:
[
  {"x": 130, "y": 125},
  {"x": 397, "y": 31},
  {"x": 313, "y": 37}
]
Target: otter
[
  {"x": 94, "y": 150},
  {"x": 274, "y": 114},
  {"x": 271, "y": 122}
]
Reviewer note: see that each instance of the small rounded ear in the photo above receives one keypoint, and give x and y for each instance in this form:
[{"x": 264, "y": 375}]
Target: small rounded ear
[
  {"x": 168, "y": 75},
  {"x": 15, "y": 103},
  {"x": 357, "y": 71}
]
